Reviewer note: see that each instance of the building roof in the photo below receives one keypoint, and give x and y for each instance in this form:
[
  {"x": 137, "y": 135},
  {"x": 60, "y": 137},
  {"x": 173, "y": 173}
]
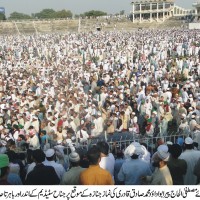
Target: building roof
[
  {"x": 196, "y": 4},
  {"x": 153, "y": 1}
]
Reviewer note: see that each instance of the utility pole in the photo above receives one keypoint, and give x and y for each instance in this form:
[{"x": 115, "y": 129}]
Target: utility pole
[
  {"x": 35, "y": 28},
  {"x": 79, "y": 25},
  {"x": 17, "y": 28}
]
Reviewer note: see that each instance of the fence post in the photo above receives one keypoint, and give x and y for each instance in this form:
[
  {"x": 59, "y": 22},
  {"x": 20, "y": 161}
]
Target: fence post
[{"x": 105, "y": 134}]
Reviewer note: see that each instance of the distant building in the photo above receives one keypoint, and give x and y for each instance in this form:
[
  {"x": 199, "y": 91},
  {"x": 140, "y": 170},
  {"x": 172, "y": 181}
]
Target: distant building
[
  {"x": 196, "y": 6},
  {"x": 152, "y": 9},
  {"x": 157, "y": 10},
  {"x": 195, "y": 24}
]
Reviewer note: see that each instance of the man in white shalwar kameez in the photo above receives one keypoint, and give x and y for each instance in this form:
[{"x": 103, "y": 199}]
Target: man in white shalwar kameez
[{"x": 191, "y": 157}]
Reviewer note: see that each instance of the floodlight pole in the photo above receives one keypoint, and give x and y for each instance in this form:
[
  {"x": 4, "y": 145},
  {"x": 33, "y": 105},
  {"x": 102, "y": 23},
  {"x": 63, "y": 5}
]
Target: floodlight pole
[{"x": 79, "y": 25}]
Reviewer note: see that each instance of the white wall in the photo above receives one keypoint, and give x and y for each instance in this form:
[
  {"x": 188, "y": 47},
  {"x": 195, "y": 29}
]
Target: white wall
[{"x": 194, "y": 25}]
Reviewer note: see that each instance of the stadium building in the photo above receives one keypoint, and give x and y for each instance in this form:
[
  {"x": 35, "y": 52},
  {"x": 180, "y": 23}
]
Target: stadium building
[
  {"x": 157, "y": 10},
  {"x": 196, "y": 6}
]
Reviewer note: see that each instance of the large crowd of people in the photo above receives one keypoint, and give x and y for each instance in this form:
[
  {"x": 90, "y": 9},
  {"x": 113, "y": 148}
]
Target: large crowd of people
[{"x": 62, "y": 92}]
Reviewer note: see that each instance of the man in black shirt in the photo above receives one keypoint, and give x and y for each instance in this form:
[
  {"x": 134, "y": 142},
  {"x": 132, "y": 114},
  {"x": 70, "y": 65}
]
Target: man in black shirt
[
  {"x": 177, "y": 167},
  {"x": 41, "y": 174}
]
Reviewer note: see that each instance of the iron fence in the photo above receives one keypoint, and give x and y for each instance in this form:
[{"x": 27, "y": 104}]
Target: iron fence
[{"x": 123, "y": 140}]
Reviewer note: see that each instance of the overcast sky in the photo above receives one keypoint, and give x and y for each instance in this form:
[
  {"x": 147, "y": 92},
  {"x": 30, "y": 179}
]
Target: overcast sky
[{"x": 76, "y": 6}]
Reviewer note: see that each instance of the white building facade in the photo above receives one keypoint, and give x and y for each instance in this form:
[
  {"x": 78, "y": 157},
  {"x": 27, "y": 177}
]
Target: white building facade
[
  {"x": 157, "y": 10},
  {"x": 196, "y": 6},
  {"x": 152, "y": 10}
]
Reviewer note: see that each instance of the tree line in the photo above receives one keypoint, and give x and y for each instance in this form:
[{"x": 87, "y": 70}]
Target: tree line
[{"x": 52, "y": 14}]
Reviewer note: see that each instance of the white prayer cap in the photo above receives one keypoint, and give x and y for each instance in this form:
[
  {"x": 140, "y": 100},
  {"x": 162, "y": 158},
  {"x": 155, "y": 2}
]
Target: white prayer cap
[
  {"x": 49, "y": 153},
  {"x": 163, "y": 148},
  {"x": 133, "y": 148},
  {"x": 190, "y": 108},
  {"x": 8, "y": 122},
  {"x": 154, "y": 112},
  {"x": 113, "y": 106},
  {"x": 88, "y": 116},
  {"x": 73, "y": 138},
  {"x": 30, "y": 97},
  {"x": 188, "y": 140},
  {"x": 99, "y": 113},
  {"x": 34, "y": 117},
  {"x": 3, "y": 106},
  {"x": 64, "y": 135},
  {"x": 163, "y": 155},
  {"x": 19, "y": 115},
  {"x": 179, "y": 99},
  {"x": 129, "y": 151},
  {"x": 74, "y": 157},
  {"x": 59, "y": 142},
  {"x": 169, "y": 143},
  {"x": 135, "y": 120},
  {"x": 183, "y": 115}
]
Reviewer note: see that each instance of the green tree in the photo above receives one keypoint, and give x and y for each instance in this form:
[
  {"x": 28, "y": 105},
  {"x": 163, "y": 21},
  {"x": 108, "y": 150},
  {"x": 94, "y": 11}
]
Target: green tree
[
  {"x": 76, "y": 16},
  {"x": 122, "y": 12},
  {"x": 82, "y": 15},
  {"x": 46, "y": 14},
  {"x": 63, "y": 14},
  {"x": 95, "y": 13},
  {"x": 2, "y": 16},
  {"x": 16, "y": 15}
]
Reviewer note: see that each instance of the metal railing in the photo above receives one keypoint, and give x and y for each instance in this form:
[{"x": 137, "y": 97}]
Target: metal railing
[{"x": 123, "y": 140}]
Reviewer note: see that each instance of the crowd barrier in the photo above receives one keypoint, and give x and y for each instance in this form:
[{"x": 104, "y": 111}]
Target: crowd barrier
[{"x": 123, "y": 140}]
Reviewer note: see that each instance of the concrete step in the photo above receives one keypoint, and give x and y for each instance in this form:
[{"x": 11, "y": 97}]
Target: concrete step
[
  {"x": 86, "y": 25},
  {"x": 25, "y": 27}
]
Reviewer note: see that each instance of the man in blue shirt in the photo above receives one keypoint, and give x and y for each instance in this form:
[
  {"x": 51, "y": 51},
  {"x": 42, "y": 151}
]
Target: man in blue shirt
[{"x": 134, "y": 168}]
